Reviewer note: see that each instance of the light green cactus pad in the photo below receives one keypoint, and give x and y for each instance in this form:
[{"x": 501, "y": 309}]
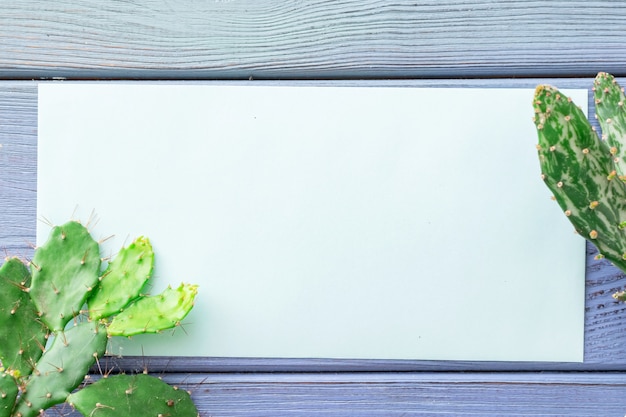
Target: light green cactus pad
[
  {"x": 156, "y": 313},
  {"x": 123, "y": 279}
]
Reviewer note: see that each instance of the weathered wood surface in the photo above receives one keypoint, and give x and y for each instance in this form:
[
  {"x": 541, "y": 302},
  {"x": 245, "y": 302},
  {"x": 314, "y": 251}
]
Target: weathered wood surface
[
  {"x": 338, "y": 39},
  {"x": 309, "y": 39},
  {"x": 401, "y": 395}
]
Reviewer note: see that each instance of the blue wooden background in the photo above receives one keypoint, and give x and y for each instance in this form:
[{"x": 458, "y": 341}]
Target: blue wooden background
[{"x": 321, "y": 42}]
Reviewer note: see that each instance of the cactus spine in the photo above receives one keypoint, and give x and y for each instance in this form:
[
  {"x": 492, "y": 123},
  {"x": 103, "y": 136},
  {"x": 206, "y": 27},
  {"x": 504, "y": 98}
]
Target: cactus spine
[
  {"x": 586, "y": 172},
  {"x": 48, "y": 300}
]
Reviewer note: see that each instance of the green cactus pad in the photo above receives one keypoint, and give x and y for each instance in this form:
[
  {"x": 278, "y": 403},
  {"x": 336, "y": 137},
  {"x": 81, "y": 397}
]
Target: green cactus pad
[
  {"x": 22, "y": 336},
  {"x": 65, "y": 276},
  {"x": 123, "y": 280},
  {"x": 62, "y": 367},
  {"x": 579, "y": 169},
  {"x": 609, "y": 98},
  {"x": 8, "y": 394},
  {"x": 156, "y": 313},
  {"x": 132, "y": 396},
  {"x": 65, "y": 270}
]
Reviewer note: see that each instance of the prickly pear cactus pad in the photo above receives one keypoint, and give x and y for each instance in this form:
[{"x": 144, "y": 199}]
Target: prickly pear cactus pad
[
  {"x": 22, "y": 336},
  {"x": 123, "y": 279},
  {"x": 56, "y": 323},
  {"x": 132, "y": 396},
  {"x": 65, "y": 270},
  {"x": 8, "y": 394},
  {"x": 609, "y": 100},
  {"x": 62, "y": 367},
  {"x": 154, "y": 314},
  {"x": 585, "y": 171}
]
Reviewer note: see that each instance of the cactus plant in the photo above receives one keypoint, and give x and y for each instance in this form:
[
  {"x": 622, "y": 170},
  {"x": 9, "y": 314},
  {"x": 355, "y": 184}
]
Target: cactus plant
[
  {"x": 49, "y": 341},
  {"x": 587, "y": 173},
  {"x": 113, "y": 396}
]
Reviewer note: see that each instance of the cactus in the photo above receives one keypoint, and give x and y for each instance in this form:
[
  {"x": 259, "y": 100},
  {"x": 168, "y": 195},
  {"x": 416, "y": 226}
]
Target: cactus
[
  {"x": 585, "y": 172},
  {"x": 37, "y": 373},
  {"x": 22, "y": 336},
  {"x": 120, "y": 395},
  {"x": 8, "y": 394},
  {"x": 609, "y": 99},
  {"x": 154, "y": 314},
  {"x": 62, "y": 367},
  {"x": 69, "y": 252},
  {"x": 123, "y": 279}
]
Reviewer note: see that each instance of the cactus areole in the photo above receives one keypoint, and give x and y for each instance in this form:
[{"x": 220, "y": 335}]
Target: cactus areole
[
  {"x": 586, "y": 172},
  {"x": 56, "y": 318}
]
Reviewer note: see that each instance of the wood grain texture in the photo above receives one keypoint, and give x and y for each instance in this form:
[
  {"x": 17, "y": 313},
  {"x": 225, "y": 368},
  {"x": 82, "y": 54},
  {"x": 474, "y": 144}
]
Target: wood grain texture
[
  {"x": 298, "y": 39},
  {"x": 410, "y": 395},
  {"x": 156, "y": 39},
  {"x": 18, "y": 167},
  {"x": 400, "y": 395}
]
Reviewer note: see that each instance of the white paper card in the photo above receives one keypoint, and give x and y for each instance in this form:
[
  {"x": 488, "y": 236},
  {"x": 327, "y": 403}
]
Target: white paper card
[{"x": 325, "y": 222}]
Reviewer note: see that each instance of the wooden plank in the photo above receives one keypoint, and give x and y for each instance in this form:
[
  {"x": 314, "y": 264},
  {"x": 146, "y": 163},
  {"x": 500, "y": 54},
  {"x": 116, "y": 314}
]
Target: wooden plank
[
  {"x": 415, "y": 394},
  {"x": 18, "y": 167},
  {"x": 605, "y": 345},
  {"x": 239, "y": 39}
]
